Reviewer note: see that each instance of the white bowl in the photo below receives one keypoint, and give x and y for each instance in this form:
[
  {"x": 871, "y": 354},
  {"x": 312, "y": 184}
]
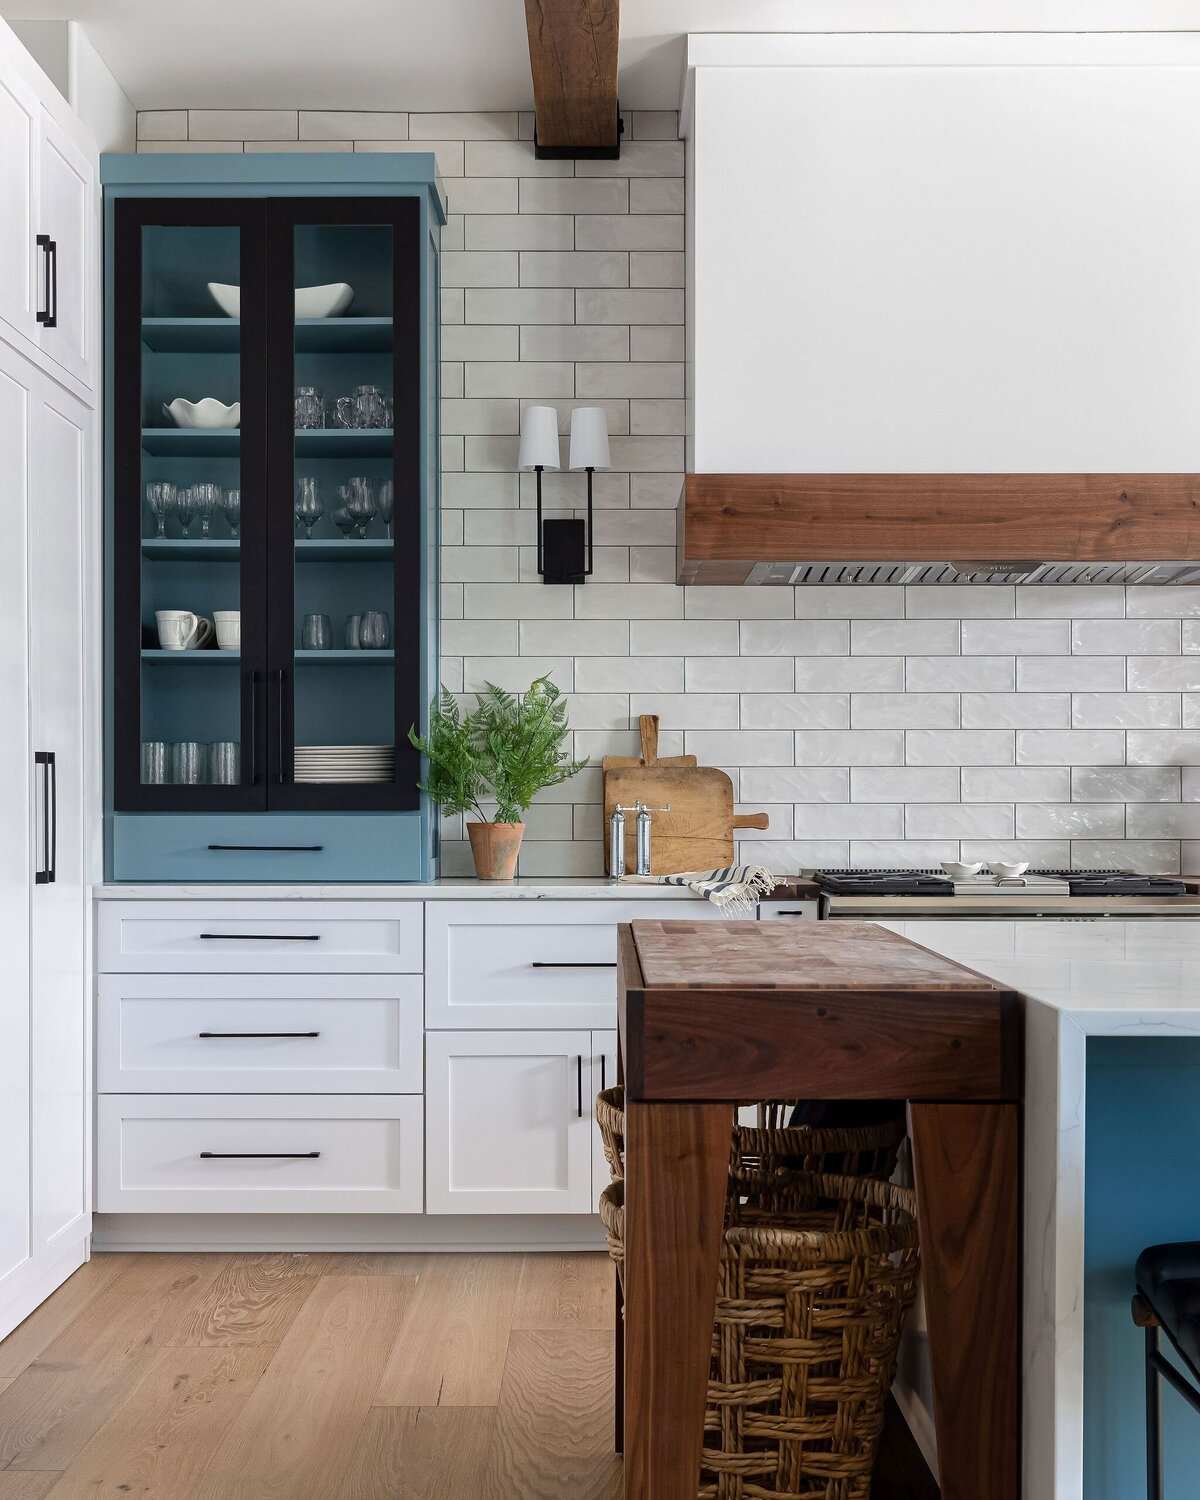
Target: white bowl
[
  {"x": 328, "y": 301},
  {"x": 1004, "y": 869},
  {"x": 959, "y": 871},
  {"x": 206, "y": 413}
]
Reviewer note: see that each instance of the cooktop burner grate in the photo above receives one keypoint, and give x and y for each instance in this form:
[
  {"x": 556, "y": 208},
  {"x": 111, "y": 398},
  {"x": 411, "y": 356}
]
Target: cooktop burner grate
[{"x": 930, "y": 882}]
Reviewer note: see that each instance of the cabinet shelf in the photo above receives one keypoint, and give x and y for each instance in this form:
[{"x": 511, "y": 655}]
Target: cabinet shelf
[
  {"x": 228, "y": 549},
  {"x": 354, "y": 658},
  {"x": 223, "y": 335},
  {"x": 334, "y": 442},
  {"x": 206, "y": 653},
  {"x": 191, "y": 442},
  {"x": 186, "y": 549}
]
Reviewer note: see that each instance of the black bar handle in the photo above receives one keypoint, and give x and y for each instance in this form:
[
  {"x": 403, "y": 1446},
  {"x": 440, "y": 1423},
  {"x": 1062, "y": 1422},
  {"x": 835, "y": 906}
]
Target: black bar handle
[
  {"x": 603, "y": 1071},
  {"x": 539, "y": 963},
  {"x": 205, "y": 1036},
  {"x": 52, "y": 320},
  {"x": 260, "y": 937},
  {"x": 48, "y": 316},
  {"x": 267, "y": 848},
  {"x": 259, "y": 1155},
  {"x": 579, "y": 1086},
  {"x": 43, "y": 874},
  {"x": 52, "y": 855}
]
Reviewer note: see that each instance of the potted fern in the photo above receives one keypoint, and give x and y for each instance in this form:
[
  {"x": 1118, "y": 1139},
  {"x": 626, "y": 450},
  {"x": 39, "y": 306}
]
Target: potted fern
[{"x": 509, "y": 747}]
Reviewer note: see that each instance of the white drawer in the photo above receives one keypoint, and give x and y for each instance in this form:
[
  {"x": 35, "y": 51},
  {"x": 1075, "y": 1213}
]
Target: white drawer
[
  {"x": 537, "y": 964},
  {"x": 259, "y": 1033},
  {"x": 150, "y": 1154},
  {"x": 260, "y": 937}
]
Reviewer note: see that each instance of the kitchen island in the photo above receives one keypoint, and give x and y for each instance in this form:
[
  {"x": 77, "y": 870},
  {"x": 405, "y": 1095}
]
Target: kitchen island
[{"x": 711, "y": 1013}]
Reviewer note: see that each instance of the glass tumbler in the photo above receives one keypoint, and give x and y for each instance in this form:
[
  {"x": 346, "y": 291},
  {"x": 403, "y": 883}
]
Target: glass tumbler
[
  {"x": 316, "y": 634},
  {"x": 224, "y": 757},
  {"x": 232, "y": 506},
  {"x": 160, "y": 498},
  {"x": 155, "y": 760},
  {"x": 353, "y": 636},
  {"x": 185, "y": 507},
  {"x": 188, "y": 758},
  {"x": 206, "y": 498},
  {"x": 375, "y": 633},
  {"x": 310, "y": 407}
]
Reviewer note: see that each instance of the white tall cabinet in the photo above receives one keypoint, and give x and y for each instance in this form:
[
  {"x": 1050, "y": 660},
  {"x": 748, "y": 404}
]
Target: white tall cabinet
[{"x": 48, "y": 440}]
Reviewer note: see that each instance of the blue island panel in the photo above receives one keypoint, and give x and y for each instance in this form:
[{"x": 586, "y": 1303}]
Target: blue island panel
[{"x": 1142, "y": 1187}]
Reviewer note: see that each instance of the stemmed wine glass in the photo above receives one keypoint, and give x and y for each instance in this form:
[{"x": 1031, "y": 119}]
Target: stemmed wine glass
[
  {"x": 361, "y": 504},
  {"x": 185, "y": 507},
  {"x": 309, "y": 505},
  {"x": 205, "y": 498},
  {"x": 385, "y": 497},
  {"x": 160, "y": 498},
  {"x": 232, "y": 506}
]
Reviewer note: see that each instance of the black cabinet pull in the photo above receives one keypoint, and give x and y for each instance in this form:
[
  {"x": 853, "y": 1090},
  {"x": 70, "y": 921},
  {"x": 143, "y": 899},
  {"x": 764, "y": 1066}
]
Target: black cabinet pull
[
  {"x": 579, "y": 1086},
  {"x": 48, "y": 316},
  {"x": 253, "y": 737},
  {"x": 45, "y": 874},
  {"x": 539, "y": 963},
  {"x": 279, "y": 721},
  {"x": 603, "y": 1071},
  {"x": 267, "y": 848},
  {"x": 260, "y": 937},
  {"x": 259, "y": 1155},
  {"x": 207, "y": 1035},
  {"x": 785, "y": 911}
]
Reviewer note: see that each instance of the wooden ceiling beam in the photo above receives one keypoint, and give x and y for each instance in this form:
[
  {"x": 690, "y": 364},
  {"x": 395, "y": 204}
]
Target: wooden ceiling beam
[{"x": 573, "y": 57}]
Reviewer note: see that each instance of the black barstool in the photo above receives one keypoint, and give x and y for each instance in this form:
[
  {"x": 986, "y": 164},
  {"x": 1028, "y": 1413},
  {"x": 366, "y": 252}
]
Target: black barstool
[{"x": 1168, "y": 1297}]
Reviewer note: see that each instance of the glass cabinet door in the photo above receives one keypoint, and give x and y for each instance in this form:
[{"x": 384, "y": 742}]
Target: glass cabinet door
[
  {"x": 345, "y": 472},
  {"x": 189, "y": 469}
]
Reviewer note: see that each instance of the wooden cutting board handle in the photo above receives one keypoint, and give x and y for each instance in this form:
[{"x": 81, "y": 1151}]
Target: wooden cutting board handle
[
  {"x": 648, "y": 725},
  {"x": 752, "y": 820}
]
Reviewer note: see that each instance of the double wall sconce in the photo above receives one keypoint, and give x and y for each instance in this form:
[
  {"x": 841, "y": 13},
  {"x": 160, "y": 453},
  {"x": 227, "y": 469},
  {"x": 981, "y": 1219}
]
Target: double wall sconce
[{"x": 564, "y": 544}]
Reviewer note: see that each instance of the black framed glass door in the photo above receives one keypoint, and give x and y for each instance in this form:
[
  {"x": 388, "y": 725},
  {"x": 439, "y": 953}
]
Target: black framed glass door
[
  {"x": 189, "y": 605},
  {"x": 344, "y": 371}
]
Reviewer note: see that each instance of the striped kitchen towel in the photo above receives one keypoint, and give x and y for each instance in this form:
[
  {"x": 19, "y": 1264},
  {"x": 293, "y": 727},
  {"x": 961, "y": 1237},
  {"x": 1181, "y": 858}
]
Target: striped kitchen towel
[{"x": 735, "y": 890}]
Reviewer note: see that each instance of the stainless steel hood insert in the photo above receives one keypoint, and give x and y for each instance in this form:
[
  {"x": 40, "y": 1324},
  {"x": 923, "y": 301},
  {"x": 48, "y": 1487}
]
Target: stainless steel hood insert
[{"x": 960, "y": 574}]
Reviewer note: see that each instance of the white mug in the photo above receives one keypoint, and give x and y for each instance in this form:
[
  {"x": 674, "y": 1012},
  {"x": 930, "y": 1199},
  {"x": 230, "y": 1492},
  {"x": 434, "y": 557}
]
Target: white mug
[
  {"x": 181, "y": 630},
  {"x": 229, "y": 629}
]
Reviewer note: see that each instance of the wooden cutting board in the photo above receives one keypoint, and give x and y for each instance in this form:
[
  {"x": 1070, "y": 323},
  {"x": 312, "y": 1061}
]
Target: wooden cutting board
[
  {"x": 648, "y": 725},
  {"x": 697, "y": 833}
]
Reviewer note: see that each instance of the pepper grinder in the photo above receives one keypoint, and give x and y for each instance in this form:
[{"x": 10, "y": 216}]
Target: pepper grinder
[
  {"x": 616, "y": 840},
  {"x": 643, "y": 835}
]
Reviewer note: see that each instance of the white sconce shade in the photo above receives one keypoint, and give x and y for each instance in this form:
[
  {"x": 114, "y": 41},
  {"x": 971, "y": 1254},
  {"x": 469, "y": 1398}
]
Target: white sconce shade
[
  {"x": 539, "y": 438},
  {"x": 589, "y": 438}
]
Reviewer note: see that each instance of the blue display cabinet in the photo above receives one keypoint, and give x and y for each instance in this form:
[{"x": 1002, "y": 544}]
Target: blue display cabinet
[{"x": 271, "y": 613}]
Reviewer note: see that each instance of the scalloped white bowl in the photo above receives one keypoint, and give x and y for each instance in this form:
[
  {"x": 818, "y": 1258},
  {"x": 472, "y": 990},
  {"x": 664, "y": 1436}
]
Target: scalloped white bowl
[
  {"x": 958, "y": 870},
  {"x": 208, "y": 412},
  {"x": 328, "y": 301},
  {"x": 1004, "y": 869}
]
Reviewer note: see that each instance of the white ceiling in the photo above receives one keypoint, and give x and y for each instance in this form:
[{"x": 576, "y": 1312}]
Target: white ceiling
[{"x": 471, "y": 54}]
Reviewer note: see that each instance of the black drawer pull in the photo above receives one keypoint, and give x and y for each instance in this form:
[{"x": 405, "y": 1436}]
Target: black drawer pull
[
  {"x": 579, "y": 1086},
  {"x": 260, "y": 937},
  {"x": 267, "y": 848},
  {"x": 205, "y": 1035},
  {"x": 789, "y": 911},
  {"x": 539, "y": 963},
  {"x": 259, "y": 1155}
]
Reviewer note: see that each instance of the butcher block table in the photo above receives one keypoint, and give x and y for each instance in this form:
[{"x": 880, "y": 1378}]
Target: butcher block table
[{"x": 716, "y": 1012}]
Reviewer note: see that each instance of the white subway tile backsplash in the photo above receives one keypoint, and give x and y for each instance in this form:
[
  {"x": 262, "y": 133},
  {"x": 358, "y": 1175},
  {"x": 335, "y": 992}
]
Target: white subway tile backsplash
[
  {"x": 1172, "y": 603},
  {"x": 519, "y": 378},
  {"x": 1125, "y": 783},
  {"x": 577, "y": 341},
  {"x": 352, "y": 124},
  {"x": 655, "y": 267},
  {"x": 850, "y": 820},
  {"x": 515, "y": 601},
  {"x": 479, "y": 268},
  {"x": 1163, "y": 747},
  {"x": 1152, "y": 857},
  {"x": 479, "y": 564},
  {"x": 660, "y": 342},
  {"x": 964, "y": 674},
  {"x": 629, "y": 674},
  {"x": 1070, "y": 747},
  {"x": 1124, "y": 637},
  {"x": 1071, "y": 820},
  {"x": 637, "y": 159},
  {"x": 689, "y": 638},
  {"x": 1016, "y": 637},
  {"x": 904, "y": 784},
  {"x": 447, "y": 154},
  {"x": 795, "y": 637},
  {"x": 796, "y": 784},
  {"x": 576, "y": 637},
  {"x": 1016, "y": 710},
  {"x": 958, "y": 820},
  {"x": 855, "y": 674},
  {"x": 575, "y": 268},
  {"x": 933, "y": 603},
  {"x": 509, "y": 159},
  {"x": 1162, "y": 820},
  {"x": 481, "y": 341},
  {"x": 845, "y": 602},
  {"x": 850, "y": 747},
  {"x": 515, "y": 672},
  {"x": 640, "y": 232},
  {"x": 652, "y": 564},
  {"x": 905, "y": 637},
  {"x": 165, "y": 125},
  {"x": 1125, "y": 711},
  {"x": 800, "y": 854},
  {"x": 904, "y": 710},
  {"x": 688, "y": 710},
  {"x": 573, "y": 195},
  {"x": 1071, "y": 602},
  {"x": 597, "y": 305},
  {"x": 1042, "y": 854},
  {"x": 663, "y": 195},
  {"x": 701, "y": 603},
  {"x": 481, "y": 195},
  {"x": 517, "y": 232},
  {"x": 740, "y": 674},
  {"x": 465, "y": 126},
  {"x": 1168, "y": 674},
  {"x": 243, "y": 124},
  {"x": 906, "y": 853},
  {"x": 958, "y": 747},
  {"x": 1065, "y": 674},
  {"x": 640, "y": 379},
  {"x": 795, "y": 711},
  {"x": 1016, "y": 784},
  {"x": 649, "y": 416},
  {"x": 519, "y": 305},
  {"x": 741, "y": 747},
  {"x": 641, "y": 603}
]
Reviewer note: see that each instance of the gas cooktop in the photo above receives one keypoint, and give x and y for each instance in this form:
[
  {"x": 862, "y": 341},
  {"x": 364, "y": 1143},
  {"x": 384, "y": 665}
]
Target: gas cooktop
[{"x": 937, "y": 883}]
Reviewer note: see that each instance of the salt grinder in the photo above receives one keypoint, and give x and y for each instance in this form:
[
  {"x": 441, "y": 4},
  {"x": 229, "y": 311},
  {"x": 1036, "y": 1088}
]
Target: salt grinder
[{"x": 643, "y": 835}]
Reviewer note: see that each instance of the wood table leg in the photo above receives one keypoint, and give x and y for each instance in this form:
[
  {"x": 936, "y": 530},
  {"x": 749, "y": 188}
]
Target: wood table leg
[
  {"x": 968, "y": 1170},
  {"x": 676, "y": 1168}
]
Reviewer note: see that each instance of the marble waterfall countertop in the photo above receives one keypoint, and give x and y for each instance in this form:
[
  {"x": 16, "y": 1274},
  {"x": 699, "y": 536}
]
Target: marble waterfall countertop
[
  {"x": 573, "y": 888},
  {"x": 1107, "y": 978}
]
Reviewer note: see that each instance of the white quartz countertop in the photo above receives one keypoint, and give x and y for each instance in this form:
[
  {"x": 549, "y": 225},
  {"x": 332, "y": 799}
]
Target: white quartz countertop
[
  {"x": 573, "y": 889},
  {"x": 1109, "y": 977}
]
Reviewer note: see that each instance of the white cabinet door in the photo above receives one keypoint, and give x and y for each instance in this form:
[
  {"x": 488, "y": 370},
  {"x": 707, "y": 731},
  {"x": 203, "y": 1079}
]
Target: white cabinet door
[
  {"x": 61, "y": 1096},
  {"x": 66, "y": 217},
  {"x": 508, "y": 1122},
  {"x": 604, "y": 1076},
  {"x": 18, "y": 396},
  {"x": 20, "y": 260}
]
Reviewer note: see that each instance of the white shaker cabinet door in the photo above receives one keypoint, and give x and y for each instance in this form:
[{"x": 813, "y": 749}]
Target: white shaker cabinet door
[
  {"x": 18, "y": 396},
  {"x": 66, "y": 216},
  {"x": 21, "y": 263},
  {"x": 604, "y": 1076},
  {"x": 61, "y": 1106},
  {"x": 508, "y": 1122}
]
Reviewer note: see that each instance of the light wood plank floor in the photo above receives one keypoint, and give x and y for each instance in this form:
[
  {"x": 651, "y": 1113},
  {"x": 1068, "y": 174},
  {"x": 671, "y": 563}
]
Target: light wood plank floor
[{"x": 314, "y": 1377}]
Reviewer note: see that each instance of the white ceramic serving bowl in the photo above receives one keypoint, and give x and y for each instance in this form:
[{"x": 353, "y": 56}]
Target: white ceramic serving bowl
[
  {"x": 328, "y": 301},
  {"x": 958, "y": 871},
  {"x": 208, "y": 412},
  {"x": 1003, "y": 869}
]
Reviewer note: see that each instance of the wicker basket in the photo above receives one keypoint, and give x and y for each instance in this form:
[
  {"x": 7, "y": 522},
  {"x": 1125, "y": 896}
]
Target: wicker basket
[{"x": 808, "y": 1319}]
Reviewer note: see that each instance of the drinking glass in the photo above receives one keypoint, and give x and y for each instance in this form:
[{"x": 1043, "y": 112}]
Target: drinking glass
[
  {"x": 205, "y": 499},
  {"x": 375, "y": 632},
  {"x": 161, "y": 500},
  {"x": 155, "y": 760},
  {"x": 316, "y": 634},
  {"x": 309, "y": 505},
  {"x": 343, "y": 520},
  {"x": 385, "y": 497},
  {"x": 185, "y": 507},
  {"x": 188, "y": 763},
  {"x": 353, "y": 637},
  {"x": 310, "y": 407},
  {"x": 232, "y": 506},
  {"x": 361, "y": 503},
  {"x": 224, "y": 757}
]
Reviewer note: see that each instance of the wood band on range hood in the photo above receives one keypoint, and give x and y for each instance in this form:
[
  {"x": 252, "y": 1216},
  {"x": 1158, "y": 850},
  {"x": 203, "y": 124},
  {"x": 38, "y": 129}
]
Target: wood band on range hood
[{"x": 729, "y": 522}]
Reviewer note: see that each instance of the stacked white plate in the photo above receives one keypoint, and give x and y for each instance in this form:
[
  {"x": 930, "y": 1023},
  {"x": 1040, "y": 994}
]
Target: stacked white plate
[{"x": 345, "y": 762}]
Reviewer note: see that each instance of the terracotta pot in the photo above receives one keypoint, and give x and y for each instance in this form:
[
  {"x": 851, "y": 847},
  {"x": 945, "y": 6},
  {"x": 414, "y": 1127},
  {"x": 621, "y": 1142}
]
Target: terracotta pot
[{"x": 495, "y": 847}]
